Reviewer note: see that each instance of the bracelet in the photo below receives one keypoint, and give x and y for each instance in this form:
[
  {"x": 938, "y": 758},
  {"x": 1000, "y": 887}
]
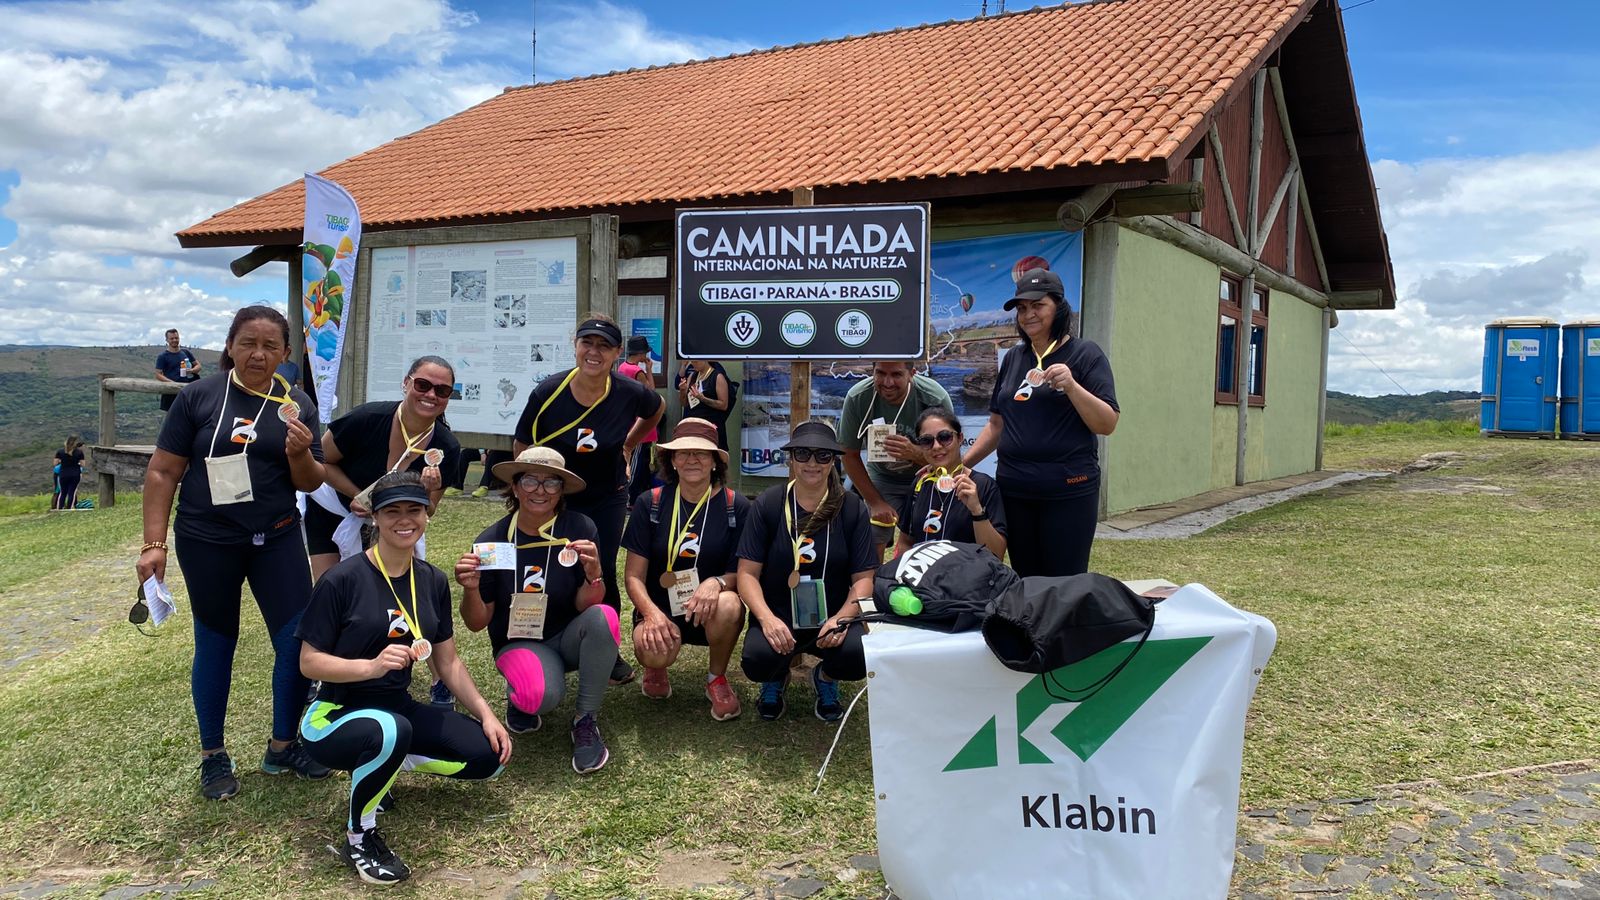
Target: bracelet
[
  {"x": 721, "y": 585},
  {"x": 593, "y": 581},
  {"x": 153, "y": 545},
  {"x": 980, "y": 516}
]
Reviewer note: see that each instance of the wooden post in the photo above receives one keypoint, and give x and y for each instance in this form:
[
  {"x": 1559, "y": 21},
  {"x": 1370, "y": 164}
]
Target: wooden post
[
  {"x": 603, "y": 231},
  {"x": 108, "y": 438},
  {"x": 800, "y": 372}
]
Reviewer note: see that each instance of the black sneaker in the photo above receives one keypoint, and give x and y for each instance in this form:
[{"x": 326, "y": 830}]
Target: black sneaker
[
  {"x": 519, "y": 722},
  {"x": 372, "y": 859},
  {"x": 828, "y": 708},
  {"x": 293, "y": 758},
  {"x": 770, "y": 704},
  {"x": 440, "y": 696},
  {"x": 621, "y": 673},
  {"x": 589, "y": 752},
  {"x": 216, "y": 776}
]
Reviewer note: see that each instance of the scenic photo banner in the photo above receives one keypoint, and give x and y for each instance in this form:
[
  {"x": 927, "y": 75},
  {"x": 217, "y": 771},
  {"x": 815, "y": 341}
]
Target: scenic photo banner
[{"x": 970, "y": 282}]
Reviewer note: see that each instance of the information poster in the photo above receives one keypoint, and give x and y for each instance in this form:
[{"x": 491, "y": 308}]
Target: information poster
[{"x": 502, "y": 313}]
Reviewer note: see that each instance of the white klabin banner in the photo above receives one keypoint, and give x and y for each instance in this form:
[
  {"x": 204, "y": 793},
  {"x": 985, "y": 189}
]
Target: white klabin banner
[
  {"x": 989, "y": 785},
  {"x": 327, "y": 276}
]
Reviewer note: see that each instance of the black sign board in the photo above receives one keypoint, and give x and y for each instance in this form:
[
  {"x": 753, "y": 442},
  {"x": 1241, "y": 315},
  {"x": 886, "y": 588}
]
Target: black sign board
[{"x": 811, "y": 282}]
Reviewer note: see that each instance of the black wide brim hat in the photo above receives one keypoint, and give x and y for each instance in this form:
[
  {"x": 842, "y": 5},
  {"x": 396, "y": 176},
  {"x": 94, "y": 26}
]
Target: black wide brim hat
[{"x": 813, "y": 435}]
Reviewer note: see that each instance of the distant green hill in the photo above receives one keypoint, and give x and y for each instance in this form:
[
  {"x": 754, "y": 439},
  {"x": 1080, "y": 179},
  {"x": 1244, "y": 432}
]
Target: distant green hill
[
  {"x": 1349, "y": 409},
  {"x": 47, "y": 393}
]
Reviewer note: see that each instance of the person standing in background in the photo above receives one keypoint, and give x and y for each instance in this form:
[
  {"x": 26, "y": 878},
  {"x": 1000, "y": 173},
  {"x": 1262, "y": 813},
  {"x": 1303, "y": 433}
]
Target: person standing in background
[
  {"x": 175, "y": 364},
  {"x": 705, "y": 391},
  {"x": 69, "y": 471},
  {"x": 879, "y": 417},
  {"x": 637, "y": 366}
]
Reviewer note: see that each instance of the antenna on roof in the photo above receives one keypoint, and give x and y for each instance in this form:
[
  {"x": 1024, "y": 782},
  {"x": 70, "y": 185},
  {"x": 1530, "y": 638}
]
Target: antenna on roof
[{"x": 535, "y": 61}]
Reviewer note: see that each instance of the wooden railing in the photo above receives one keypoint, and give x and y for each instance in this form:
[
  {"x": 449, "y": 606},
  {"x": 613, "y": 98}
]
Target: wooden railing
[{"x": 127, "y": 460}]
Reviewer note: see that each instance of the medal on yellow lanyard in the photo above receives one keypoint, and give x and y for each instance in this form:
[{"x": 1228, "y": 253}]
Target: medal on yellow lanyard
[
  {"x": 942, "y": 478},
  {"x": 534, "y": 431},
  {"x": 676, "y": 537},
  {"x": 412, "y": 443},
  {"x": 228, "y": 477},
  {"x": 1035, "y": 375},
  {"x": 547, "y": 538},
  {"x": 421, "y": 647}
]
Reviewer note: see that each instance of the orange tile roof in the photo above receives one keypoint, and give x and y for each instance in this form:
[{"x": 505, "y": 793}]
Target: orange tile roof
[{"x": 1108, "y": 82}]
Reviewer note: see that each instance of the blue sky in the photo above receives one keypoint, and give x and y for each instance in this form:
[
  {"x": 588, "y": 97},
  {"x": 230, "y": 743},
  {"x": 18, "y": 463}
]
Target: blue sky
[{"x": 122, "y": 121}]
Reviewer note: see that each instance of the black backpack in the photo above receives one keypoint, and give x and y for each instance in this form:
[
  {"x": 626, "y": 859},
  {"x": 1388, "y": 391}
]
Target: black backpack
[
  {"x": 727, "y": 500},
  {"x": 955, "y": 582},
  {"x": 1042, "y": 624}
]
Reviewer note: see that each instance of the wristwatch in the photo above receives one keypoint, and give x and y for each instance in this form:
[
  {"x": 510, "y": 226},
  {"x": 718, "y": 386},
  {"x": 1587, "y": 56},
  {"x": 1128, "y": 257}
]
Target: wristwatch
[{"x": 980, "y": 516}]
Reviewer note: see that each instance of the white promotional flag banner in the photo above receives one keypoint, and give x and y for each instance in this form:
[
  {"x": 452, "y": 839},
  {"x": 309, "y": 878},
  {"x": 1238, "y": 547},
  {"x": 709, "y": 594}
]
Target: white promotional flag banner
[
  {"x": 988, "y": 786},
  {"x": 328, "y": 277}
]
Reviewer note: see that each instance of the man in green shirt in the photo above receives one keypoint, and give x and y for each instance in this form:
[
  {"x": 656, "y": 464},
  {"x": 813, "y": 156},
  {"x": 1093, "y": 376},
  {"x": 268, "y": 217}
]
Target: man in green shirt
[{"x": 878, "y": 420}]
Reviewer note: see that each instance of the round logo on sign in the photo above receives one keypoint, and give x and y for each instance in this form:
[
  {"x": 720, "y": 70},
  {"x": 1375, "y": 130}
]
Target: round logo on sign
[
  {"x": 743, "y": 328},
  {"x": 798, "y": 328},
  {"x": 853, "y": 328}
]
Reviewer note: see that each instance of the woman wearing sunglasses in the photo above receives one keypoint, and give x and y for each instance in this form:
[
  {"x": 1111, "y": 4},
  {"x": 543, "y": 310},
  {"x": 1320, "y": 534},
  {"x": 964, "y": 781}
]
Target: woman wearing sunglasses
[
  {"x": 596, "y": 418},
  {"x": 374, "y": 439},
  {"x": 543, "y": 603},
  {"x": 948, "y": 501},
  {"x": 370, "y": 619},
  {"x": 805, "y": 559}
]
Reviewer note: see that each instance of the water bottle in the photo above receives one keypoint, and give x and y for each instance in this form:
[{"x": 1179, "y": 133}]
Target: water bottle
[{"x": 905, "y": 602}]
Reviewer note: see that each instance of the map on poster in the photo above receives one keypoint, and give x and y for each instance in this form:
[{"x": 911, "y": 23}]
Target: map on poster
[{"x": 502, "y": 313}]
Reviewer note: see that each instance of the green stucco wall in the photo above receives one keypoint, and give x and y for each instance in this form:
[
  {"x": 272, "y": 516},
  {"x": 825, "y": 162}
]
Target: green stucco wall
[{"x": 1172, "y": 440}]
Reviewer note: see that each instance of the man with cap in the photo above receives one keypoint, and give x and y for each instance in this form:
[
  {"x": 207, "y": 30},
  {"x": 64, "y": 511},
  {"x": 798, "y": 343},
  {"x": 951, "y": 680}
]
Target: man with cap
[
  {"x": 1053, "y": 396},
  {"x": 637, "y": 366},
  {"x": 878, "y": 418},
  {"x": 596, "y": 419}
]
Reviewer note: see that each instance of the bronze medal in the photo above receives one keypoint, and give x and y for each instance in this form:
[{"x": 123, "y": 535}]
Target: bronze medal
[
  {"x": 421, "y": 649},
  {"x": 668, "y": 579},
  {"x": 794, "y": 580},
  {"x": 288, "y": 410},
  {"x": 567, "y": 557},
  {"x": 1034, "y": 377}
]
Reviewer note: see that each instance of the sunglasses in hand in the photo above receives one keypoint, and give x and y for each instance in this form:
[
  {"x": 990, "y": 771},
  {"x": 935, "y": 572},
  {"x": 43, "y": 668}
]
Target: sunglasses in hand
[
  {"x": 806, "y": 454},
  {"x": 928, "y": 440},
  {"x": 424, "y": 386}
]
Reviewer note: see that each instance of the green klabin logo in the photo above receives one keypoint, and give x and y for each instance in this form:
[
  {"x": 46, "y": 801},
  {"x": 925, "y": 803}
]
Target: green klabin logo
[{"x": 1092, "y": 722}]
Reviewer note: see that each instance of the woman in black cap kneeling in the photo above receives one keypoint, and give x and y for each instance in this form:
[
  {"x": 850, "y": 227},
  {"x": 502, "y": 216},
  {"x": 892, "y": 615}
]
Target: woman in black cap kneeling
[
  {"x": 372, "y": 616},
  {"x": 595, "y": 418},
  {"x": 805, "y": 560}
]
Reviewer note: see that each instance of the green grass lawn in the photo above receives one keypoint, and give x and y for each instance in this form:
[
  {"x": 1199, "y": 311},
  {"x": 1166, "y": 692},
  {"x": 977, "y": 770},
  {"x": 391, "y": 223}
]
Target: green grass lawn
[{"x": 1426, "y": 629}]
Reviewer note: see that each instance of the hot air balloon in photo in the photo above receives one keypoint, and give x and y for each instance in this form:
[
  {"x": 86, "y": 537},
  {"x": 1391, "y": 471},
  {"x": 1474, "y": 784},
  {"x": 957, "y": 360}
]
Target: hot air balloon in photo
[
  {"x": 1026, "y": 263},
  {"x": 966, "y": 302}
]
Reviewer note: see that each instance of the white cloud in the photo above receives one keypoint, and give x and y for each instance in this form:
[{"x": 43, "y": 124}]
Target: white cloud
[{"x": 1472, "y": 240}]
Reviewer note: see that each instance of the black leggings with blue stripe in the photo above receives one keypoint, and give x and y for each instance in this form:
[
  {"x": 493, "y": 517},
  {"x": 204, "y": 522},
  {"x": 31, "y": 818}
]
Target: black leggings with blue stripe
[{"x": 380, "y": 736}]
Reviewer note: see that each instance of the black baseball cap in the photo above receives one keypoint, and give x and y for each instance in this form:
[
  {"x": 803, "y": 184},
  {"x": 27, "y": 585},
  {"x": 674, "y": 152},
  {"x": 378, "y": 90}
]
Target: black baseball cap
[
  {"x": 638, "y": 344},
  {"x": 1036, "y": 284},
  {"x": 600, "y": 328}
]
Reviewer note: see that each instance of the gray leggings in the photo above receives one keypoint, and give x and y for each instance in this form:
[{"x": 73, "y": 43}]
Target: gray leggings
[{"x": 536, "y": 671}]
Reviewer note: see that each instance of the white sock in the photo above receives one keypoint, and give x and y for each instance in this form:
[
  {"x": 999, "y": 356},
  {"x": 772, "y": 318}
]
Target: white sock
[{"x": 354, "y": 837}]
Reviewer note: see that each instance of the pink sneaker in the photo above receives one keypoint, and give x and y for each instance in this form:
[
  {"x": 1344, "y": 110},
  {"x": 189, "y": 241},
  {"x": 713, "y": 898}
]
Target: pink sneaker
[
  {"x": 724, "y": 702},
  {"x": 656, "y": 685}
]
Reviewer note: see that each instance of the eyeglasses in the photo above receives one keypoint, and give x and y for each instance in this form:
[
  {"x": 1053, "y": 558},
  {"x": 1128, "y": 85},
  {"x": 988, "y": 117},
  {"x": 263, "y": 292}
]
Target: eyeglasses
[
  {"x": 928, "y": 440},
  {"x": 423, "y": 386},
  {"x": 531, "y": 482},
  {"x": 806, "y": 454}
]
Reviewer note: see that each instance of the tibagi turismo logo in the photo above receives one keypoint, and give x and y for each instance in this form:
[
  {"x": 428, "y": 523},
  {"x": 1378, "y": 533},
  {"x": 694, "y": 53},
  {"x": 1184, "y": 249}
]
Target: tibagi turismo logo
[
  {"x": 586, "y": 441},
  {"x": 1081, "y": 727}
]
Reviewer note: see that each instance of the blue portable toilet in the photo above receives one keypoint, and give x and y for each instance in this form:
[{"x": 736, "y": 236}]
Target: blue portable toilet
[
  {"x": 1580, "y": 380},
  {"x": 1521, "y": 363}
]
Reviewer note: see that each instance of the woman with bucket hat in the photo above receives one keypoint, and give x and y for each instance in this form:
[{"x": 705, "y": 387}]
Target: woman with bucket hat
[
  {"x": 805, "y": 560},
  {"x": 595, "y": 418},
  {"x": 371, "y": 618},
  {"x": 1054, "y": 394},
  {"x": 534, "y": 580},
  {"x": 680, "y": 566}
]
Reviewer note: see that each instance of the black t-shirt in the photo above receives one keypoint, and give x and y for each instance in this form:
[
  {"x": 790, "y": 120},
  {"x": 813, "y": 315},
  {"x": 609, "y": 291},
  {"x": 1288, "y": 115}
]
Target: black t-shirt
[
  {"x": 833, "y": 555},
  {"x": 362, "y": 435},
  {"x": 71, "y": 463},
  {"x": 170, "y": 364},
  {"x": 593, "y": 448},
  {"x": 537, "y": 569},
  {"x": 1045, "y": 448},
  {"x": 714, "y": 389},
  {"x": 187, "y": 432},
  {"x": 353, "y": 615},
  {"x": 710, "y": 543},
  {"x": 953, "y": 522}
]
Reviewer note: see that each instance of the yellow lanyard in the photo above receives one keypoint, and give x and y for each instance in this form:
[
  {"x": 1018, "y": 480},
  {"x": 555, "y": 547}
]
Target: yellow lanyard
[
  {"x": 411, "y": 575},
  {"x": 412, "y": 443},
  {"x": 1040, "y": 356},
  {"x": 574, "y": 423},
  {"x": 550, "y": 540},
  {"x": 233, "y": 375},
  {"x": 677, "y": 542},
  {"x": 935, "y": 474}
]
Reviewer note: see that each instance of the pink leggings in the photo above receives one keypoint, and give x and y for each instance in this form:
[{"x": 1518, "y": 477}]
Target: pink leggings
[{"x": 536, "y": 671}]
